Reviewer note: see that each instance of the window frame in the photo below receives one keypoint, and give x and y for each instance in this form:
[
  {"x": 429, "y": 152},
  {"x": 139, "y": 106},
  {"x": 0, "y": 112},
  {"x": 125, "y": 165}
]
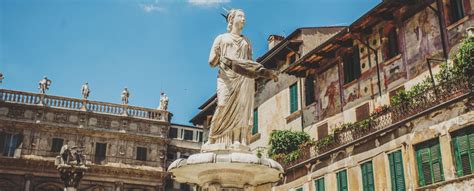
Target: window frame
[
  {"x": 366, "y": 186},
  {"x": 394, "y": 176},
  {"x": 351, "y": 65},
  {"x": 340, "y": 181},
  {"x": 142, "y": 154},
  {"x": 255, "y": 122},
  {"x": 319, "y": 182},
  {"x": 54, "y": 147},
  {"x": 468, "y": 133}
]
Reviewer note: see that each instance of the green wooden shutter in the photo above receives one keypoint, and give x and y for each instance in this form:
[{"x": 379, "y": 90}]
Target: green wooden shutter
[
  {"x": 319, "y": 184},
  {"x": 255, "y": 122},
  {"x": 396, "y": 171},
  {"x": 464, "y": 153},
  {"x": 342, "y": 180},
  {"x": 293, "y": 98},
  {"x": 430, "y": 169},
  {"x": 299, "y": 189},
  {"x": 367, "y": 177}
]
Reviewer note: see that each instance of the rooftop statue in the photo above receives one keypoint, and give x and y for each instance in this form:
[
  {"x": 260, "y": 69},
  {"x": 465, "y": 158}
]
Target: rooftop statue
[
  {"x": 1, "y": 78},
  {"x": 231, "y": 52},
  {"x": 163, "y": 101},
  {"x": 85, "y": 90},
  {"x": 125, "y": 96},
  {"x": 44, "y": 85}
]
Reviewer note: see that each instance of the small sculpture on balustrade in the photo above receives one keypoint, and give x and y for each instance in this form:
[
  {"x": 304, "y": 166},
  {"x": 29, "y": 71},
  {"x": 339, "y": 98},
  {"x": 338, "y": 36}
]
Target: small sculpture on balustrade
[
  {"x": 44, "y": 85},
  {"x": 125, "y": 96},
  {"x": 73, "y": 156},
  {"x": 163, "y": 101},
  {"x": 1, "y": 78},
  {"x": 85, "y": 90}
]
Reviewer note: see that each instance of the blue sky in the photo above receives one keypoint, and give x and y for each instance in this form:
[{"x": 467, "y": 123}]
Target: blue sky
[{"x": 147, "y": 46}]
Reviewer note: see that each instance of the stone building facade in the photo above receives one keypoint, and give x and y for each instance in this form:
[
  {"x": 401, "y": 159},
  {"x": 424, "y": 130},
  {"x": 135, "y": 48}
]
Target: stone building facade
[
  {"x": 335, "y": 84},
  {"x": 126, "y": 147}
]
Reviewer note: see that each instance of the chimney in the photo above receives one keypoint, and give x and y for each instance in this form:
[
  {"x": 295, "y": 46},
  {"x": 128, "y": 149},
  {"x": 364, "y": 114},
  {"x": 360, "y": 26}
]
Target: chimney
[{"x": 273, "y": 40}]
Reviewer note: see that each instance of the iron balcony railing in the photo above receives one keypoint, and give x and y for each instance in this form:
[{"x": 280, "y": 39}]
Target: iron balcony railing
[{"x": 391, "y": 116}]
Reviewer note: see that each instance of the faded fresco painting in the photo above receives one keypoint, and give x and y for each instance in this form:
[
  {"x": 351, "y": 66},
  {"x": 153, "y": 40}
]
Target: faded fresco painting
[
  {"x": 422, "y": 37},
  {"x": 392, "y": 72},
  {"x": 329, "y": 95},
  {"x": 351, "y": 94}
]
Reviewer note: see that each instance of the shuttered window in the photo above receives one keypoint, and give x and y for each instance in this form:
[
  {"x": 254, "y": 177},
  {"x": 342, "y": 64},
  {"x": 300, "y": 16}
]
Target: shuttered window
[
  {"x": 309, "y": 90},
  {"x": 396, "y": 171},
  {"x": 463, "y": 144},
  {"x": 293, "y": 98},
  {"x": 430, "y": 169},
  {"x": 342, "y": 180},
  {"x": 456, "y": 10},
  {"x": 319, "y": 184},
  {"x": 255, "y": 122},
  {"x": 367, "y": 176},
  {"x": 351, "y": 65},
  {"x": 362, "y": 112}
]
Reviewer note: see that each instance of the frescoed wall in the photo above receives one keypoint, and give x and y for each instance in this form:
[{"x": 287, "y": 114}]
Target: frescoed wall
[
  {"x": 329, "y": 92},
  {"x": 422, "y": 37}
]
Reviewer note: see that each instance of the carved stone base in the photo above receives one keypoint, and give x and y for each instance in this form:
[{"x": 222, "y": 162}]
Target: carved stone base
[
  {"x": 217, "y": 147},
  {"x": 226, "y": 169}
]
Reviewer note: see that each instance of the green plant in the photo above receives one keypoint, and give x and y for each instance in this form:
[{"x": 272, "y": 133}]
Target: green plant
[
  {"x": 285, "y": 144},
  {"x": 325, "y": 141}
]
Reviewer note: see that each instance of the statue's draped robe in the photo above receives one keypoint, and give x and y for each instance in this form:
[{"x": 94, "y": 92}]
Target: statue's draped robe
[{"x": 235, "y": 89}]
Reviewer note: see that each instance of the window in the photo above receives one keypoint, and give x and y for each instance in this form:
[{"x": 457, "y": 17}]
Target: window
[
  {"x": 200, "y": 136},
  {"x": 184, "y": 187},
  {"x": 351, "y": 65},
  {"x": 255, "y": 122},
  {"x": 57, "y": 144},
  {"x": 292, "y": 58},
  {"x": 391, "y": 49},
  {"x": 341, "y": 177},
  {"x": 8, "y": 144},
  {"x": 456, "y": 9},
  {"x": 100, "y": 150},
  {"x": 362, "y": 112},
  {"x": 173, "y": 133},
  {"x": 299, "y": 189},
  {"x": 293, "y": 98},
  {"x": 319, "y": 184},
  {"x": 430, "y": 169},
  {"x": 309, "y": 90},
  {"x": 396, "y": 171},
  {"x": 170, "y": 156},
  {"x": 367, "y": 176},
  {"x": 463, "y": 144},
  {"x": 188, "y": 135},
  {"x": 141, "y": 153}
]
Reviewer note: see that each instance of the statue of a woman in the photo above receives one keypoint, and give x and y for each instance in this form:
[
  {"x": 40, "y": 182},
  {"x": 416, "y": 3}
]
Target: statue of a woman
[{"x": 232, "y": 54}]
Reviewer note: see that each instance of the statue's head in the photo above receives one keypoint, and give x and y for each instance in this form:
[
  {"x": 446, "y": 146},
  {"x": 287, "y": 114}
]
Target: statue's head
[{"x": 235, "y": 18}]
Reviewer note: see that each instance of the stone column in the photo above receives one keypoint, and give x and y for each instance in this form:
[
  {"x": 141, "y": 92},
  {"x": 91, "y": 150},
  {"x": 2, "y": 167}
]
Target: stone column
[
  {"x": 118, "y": 186},
  {"x": 28, "y": 178}
]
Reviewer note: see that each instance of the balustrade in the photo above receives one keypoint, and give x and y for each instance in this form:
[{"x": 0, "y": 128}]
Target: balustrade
[{"x": 81, "y": 104}]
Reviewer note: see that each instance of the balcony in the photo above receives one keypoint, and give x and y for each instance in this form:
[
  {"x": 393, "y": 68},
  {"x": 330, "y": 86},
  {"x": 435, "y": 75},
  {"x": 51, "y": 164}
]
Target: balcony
[{"x": 386, "y": 119}]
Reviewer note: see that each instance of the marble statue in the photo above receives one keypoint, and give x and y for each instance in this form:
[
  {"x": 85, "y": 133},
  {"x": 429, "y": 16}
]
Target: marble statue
[
  {"x": 125, "y": 96},
  {"x": 85, "y": 90},
  {"x": 231, "y": 53},
  {"x": 71, "y": 156},
  {"x": 163, "y": 101},
  {"x": 44, "y": 85},
  {"x": 1, "y": 78}
]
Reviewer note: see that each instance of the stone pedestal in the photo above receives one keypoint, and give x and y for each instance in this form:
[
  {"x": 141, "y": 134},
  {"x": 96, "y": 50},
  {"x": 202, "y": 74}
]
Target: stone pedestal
[
  {"x": 218, "y": 167},
  {"x": 71, "y": 175}
]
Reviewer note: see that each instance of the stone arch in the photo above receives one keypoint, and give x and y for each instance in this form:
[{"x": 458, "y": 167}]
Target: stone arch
[
  {"x": 96, "y": 188},
  {"x": 9, "y": 185},
  {"x": 49, "y": 186}
]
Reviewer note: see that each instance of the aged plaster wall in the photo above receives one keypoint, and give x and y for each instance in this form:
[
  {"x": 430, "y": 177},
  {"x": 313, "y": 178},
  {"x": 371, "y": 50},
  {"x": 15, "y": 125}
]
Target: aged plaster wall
[
  {"x": 437, "y": 124},
  {"x": 312, "y": 38}
]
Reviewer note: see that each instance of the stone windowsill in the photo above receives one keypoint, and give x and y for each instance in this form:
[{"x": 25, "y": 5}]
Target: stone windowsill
[
  {"x": 446, "y": 182},
  {"x": 391, "y": 60},
  {"x": 457, "y": 23},
  {"x": 293, "y": 116},
  {"x": 254, "y": 138}
]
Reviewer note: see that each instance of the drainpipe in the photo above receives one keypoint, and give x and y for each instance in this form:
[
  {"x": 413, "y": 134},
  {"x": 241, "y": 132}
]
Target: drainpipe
[{"x": 301, "y": 103}]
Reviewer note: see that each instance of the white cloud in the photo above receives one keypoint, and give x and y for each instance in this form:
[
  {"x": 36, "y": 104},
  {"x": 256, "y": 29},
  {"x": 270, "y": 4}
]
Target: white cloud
[
  {"x": 151, "y": 8},
  {"x": 207, "y": 2}
]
